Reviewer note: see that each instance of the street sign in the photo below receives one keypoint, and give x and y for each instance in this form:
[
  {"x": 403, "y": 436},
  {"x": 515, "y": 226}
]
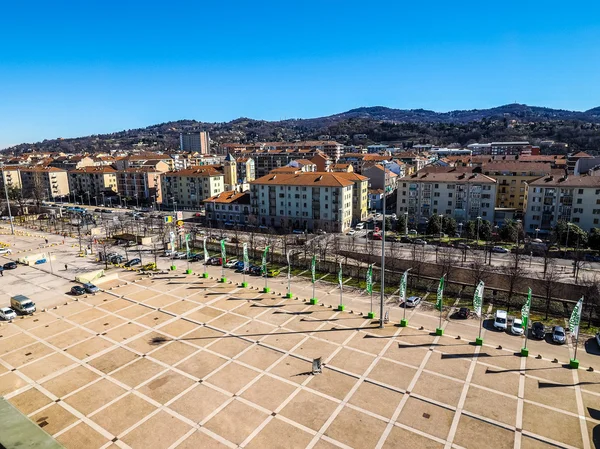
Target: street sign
[
  {"x": 168, "y": 219},
  {"x": 179, "y": 222},
  {"x": 179, "y": 215}
]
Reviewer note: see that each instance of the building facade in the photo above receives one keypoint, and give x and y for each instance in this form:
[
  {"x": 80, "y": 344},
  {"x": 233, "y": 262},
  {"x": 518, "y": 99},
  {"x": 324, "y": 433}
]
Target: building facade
[
  {"x": 229, "y": 208},
  {"x": 304, "y": 201},
  {"x": 44, "y": 183},
  {"x": 463, "y": 196},
  {"x": 190, "y": 187},
  {"x": 95, "y": 180},
  {"x": 142, "y": 184},
  {"x": 573, "y": 199}
]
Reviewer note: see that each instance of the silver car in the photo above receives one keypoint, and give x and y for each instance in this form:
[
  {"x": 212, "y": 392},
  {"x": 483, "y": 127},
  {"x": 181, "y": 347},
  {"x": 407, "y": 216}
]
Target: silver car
[
  {"x": 90, "y": 288},
  {"x": 413, "y": 301},
  {"x": 558, "y": 335}
]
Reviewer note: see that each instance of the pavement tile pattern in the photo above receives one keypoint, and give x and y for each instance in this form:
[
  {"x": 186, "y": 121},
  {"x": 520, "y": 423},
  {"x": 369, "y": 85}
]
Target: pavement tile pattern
[{"x": 181, "y": 361}]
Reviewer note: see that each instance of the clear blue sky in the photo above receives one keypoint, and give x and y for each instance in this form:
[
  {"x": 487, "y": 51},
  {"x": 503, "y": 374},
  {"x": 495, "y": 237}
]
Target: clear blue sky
[{"x": 72, "y": 68}]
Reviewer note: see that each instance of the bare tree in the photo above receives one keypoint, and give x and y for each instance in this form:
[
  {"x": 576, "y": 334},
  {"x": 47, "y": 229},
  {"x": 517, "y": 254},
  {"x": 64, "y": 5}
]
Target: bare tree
[
  {"x": 514, "y": 274},
  {"x": 479, "y": 270},
  {"x": 549, "y": 278}
]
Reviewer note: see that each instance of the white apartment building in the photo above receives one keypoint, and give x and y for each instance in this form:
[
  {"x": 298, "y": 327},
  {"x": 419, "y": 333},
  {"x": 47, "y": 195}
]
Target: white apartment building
[
  {"x": 464, "y": 196},
  {"x": 573, "y": 199},
  {"x": 190, "y": 187},
  {"x": 306, "y": 201}
]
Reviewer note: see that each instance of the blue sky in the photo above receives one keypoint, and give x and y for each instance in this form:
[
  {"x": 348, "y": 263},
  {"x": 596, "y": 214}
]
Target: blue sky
[{"x": 72, "y": 68}]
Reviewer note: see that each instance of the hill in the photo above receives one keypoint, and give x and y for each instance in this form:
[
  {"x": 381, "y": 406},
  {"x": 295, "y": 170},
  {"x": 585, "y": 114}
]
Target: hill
[{"x": 580, "y": 130}]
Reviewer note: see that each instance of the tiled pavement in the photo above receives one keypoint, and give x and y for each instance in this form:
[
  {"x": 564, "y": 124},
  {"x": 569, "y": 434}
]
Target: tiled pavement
[{"x": 176, "y": 361}]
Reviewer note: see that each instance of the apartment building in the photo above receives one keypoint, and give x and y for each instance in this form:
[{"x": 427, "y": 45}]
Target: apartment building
[
  {"x": 246, "y": 170},
  {"x": 464, "y": 196},
  {"x": 574, "y": 199},
  {"x": 143, "y": 184},
  {"x": 381, "y": 178},
  {"x": 308, "y": 201},
  {"x": 44, "y": 182},
  {"x": 267, "y": 160},
  {"x": 10, "y": 176},
  {"x": 512, "y": 180},
  {"x": 71, "y": 162},
  {"x": 195, "y": 142},
  {"x": 190, "y": 187},
  {"x": 229, "y": 208},
  {"x": 161, "y": 162},
  {"x": 95, "y": 180}
]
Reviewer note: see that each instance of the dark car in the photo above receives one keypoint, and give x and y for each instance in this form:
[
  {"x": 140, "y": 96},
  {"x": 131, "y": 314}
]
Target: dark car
[
  {"x": 406, "y": 240},
  {"x": 256, "y": 270},
  {"x": 538, "y": 331},
  {"x": 464, "y": 312},
  {"x": 132, "y": 262},
  {"x": 239, "y": 265},
  {"x": 214, "y": 261},
  {"x": 196, "y": 258},
  {"x": 116, "y": 259},
  {"x": 10, "y": 265},
  {"x": 78, "y": 290},
  {"x": 97, "y": 210}
]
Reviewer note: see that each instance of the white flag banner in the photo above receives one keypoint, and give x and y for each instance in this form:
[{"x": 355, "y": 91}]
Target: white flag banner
[
  {"x": 576, "y": 318},
  {"x": 289, "y": 266},
  {"x": 478, "y": 298}
]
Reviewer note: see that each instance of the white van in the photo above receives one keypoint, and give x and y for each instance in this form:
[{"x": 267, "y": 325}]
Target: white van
[
  {"x": 360, "y": 226},
  {"x": 500, "y": 320}
]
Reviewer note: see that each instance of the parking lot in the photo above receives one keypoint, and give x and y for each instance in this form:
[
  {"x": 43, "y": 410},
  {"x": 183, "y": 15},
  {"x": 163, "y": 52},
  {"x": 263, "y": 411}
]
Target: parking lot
[{"x": 181, "y": 361}]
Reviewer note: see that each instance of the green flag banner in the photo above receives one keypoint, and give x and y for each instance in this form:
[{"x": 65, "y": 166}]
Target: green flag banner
[
  {"x": 246, "y": 259},
  {"x": 478, "y": 298},
  {"x": 370, "y": 279},
  {"x": 340, "y": 280},
  {"x": 525, "y": 310},
  {"x": 313, "y": 265},
  {"x": 223, "y": 252},
  {"x": 576, "y": 318},
  {"x": 440, "y": 295},
  {"x": 264, "y": 259}
]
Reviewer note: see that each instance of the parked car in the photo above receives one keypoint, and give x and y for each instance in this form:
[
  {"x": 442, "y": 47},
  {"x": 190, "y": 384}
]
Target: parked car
[
  {"x": 197, "y": 258},
  {"x": 10, "y": 265},
  {"x": 116, "y": 259},
  {"x": 5, "y": 251},
  {"x": 558, "y": 335},
  {"x": 413, "y": 301},
  {"x": 239, "y": 265},
  {"x": 538, "y": 330},
  {"x": 77, "y": 290},
  {"x": 406, "y": 240},
  {"x": 214, "y": 261},
  {"x": 351, "y": 232},
  {"x": 230, "y": 263},
  {"x": 255, "y": 270},
  {"x": 179, "y": 255},
  {"x": 464, "y": 312},
  {"x": 462, "y": 246},
  {"x": 500, "y": 318},
  {"x": 419, "y": 242},
  {"x": 360, "y": 226},
  {"x": 149, "y": 266},
  {"x": 412, "y": 232},
  {"x": 499, "y": 249},
  {"x": 297, "y": 231},
  {"x": 517, "y": 327},
  {"x": 90, "y": 288},
  {"x": 168, "y": 253},
  {"x": 273, "y": 273},
  {"x": 6, "y": 313},
  {"x": 321, "y": 232},
  {"x": 98, "y": 210},
  {"x": 132, "y": 262}
]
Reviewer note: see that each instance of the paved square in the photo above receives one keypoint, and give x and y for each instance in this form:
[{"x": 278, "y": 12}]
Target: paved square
[{"x": 177, "y": 361}]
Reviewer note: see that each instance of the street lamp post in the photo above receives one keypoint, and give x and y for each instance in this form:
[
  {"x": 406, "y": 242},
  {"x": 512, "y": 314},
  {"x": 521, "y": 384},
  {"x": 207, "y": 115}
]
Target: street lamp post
[
  {"x": 536, "y": 232},
  {"x": 567, "y": 241},
  {"x": 478, "y": 222}
]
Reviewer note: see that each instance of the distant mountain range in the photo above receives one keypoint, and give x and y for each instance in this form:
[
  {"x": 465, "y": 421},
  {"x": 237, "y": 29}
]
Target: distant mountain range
[{"x": 580, "y": 130}]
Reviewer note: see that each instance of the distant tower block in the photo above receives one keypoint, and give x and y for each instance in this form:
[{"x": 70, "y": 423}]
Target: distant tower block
[
  {"x": 195, "y": 142},
  {"x": 230, "y": 171}
]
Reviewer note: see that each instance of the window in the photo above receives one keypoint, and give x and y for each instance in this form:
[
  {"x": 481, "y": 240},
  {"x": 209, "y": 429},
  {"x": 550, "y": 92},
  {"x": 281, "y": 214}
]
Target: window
[
  {"x": 437, "y": 186},
  {"x": 579, "y": 200},
  {"x": 449, "y": 203},
  {"x": 448, "y": 211},
  {"x": 576, "y": 220},
  {"x": 435, "y": 202},
  {"x": 581, "y": 191},
  {"x": 596, "y": 221},
  {"x": 450, "y": 195}
]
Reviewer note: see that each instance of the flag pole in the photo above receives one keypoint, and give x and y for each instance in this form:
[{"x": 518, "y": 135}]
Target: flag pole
[
  {"x": 403, "y": 287},
  {"x": 525, "y": 318},
  {"x": 223, "y": 260},
  {"x": 370, "y": 315},
  {"x": 246, "y": 263},
  {"x": 313, "y": 264},
  {"x": 289, "y": 276},
  {"x": 341, "y": 282},
  {"x": 440, "y": 304},
  {"x": 574, "y": 326},
  {"x": 264, "y": 269}
]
